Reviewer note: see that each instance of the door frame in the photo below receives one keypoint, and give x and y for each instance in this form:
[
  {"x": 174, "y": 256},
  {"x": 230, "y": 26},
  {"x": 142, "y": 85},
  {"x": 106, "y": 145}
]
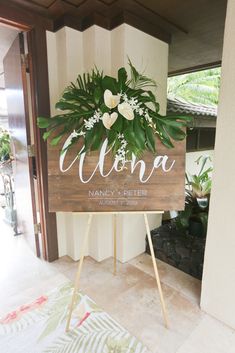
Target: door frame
[{"x": 37, "y": 50}]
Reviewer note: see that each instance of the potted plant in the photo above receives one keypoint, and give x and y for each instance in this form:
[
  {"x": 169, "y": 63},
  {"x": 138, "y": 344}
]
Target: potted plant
[
  {"x": 5, "y": 147},
  {"x": 198, "y": 187},
  {"x": 5, "y": 152}
]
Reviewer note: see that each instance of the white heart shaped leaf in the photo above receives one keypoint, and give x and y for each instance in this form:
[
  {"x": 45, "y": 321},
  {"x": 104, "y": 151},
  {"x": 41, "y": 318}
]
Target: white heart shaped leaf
[
  {"x": 126, "y": 111},
  {"x": 109, "y": 120},
  {"x": 110, "y": 100}
]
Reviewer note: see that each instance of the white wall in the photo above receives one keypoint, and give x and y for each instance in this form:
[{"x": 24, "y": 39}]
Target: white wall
[
  {"x": 218, "y": 285},
  {"x": 69, "y": 53}
]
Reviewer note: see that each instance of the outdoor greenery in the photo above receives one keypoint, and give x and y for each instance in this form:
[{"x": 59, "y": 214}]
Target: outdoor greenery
[
  {"x": 197, "y": 87},
  {"x": 198, "y": 186},
  {"x": 123, "y": 110},
  {"x": 5, "y": 147}
]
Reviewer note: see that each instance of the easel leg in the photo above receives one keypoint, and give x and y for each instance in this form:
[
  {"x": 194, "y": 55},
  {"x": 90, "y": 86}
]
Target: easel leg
[
  {"x": 76, "y": 285},
  {"x": 156, "y": 270},
  {"x": 114, "y": 244}
]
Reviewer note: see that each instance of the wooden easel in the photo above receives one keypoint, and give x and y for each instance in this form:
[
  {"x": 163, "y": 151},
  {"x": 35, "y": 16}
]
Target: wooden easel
[{"x": 84, "y": 244}]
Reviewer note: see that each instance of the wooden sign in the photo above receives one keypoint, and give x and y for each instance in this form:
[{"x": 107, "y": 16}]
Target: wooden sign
[{"x": 94, "y": 183}]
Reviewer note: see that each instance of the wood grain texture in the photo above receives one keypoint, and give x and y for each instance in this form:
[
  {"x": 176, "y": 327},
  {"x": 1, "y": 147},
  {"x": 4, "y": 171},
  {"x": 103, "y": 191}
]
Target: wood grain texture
[
  {"x": 41, "y": 106},
  {"x": 120, "y": 191}
]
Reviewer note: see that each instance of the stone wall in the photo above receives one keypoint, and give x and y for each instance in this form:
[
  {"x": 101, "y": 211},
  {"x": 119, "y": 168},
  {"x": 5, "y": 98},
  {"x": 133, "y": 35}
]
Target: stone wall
[{"x": 184, "y": 251}]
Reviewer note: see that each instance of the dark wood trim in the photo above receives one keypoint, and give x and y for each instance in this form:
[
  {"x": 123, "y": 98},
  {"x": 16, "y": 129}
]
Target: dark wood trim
[
  {"x": 41, "y": 107},
  {"x": 37, "y": 5},
  {"x": 166, "y": 20},
  {"x": 72, "y": 4},
  {"x": 195, "y": 68},
  {"x": 108, "y": 3},
  {"x": 97, "y": 18},
  {"x": 32, "y": 6},
  {"x": 11, "y": 23},
  {"x": 26, "y": 89},
  {"x": 22, "y": 18},
  {"x": 146, "y": 26}
]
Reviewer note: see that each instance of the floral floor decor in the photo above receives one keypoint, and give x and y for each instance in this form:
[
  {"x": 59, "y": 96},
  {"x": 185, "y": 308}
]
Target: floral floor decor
[{"x": 39, "y": 327}]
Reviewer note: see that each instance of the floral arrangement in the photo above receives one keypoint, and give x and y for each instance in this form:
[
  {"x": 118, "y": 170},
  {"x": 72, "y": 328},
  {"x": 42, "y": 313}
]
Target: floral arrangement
[{"x": 123, "y": 110}]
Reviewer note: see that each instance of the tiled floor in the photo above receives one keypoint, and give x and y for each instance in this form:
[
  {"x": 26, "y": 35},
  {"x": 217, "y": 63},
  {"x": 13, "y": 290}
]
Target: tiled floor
[{"x": 130, "y": 296}]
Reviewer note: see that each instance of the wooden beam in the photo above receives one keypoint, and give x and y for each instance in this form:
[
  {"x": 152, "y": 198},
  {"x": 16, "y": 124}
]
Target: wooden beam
[
  {"x": 24, "y": 19},
  {"x": 187, "y": 70}
]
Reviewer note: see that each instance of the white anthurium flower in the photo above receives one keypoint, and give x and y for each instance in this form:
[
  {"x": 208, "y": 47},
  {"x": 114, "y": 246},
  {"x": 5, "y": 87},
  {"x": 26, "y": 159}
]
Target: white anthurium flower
[
  {"x": 110, "y": 100},
  {"x": 126, "y": 110},
  {"x": 109, "y": 119}
]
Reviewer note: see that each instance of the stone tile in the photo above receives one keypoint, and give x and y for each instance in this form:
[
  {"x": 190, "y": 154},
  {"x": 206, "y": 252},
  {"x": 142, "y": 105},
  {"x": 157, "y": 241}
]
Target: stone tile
[
  {"x": 23, "y": 276},
  {"x": 130, "y": 297},
  {"x": 232, "y": 344},
  {"x": 139, "y": 310},
  {"x": 210, "y": 336},
  {"x": 63, "y": 264},
  {"x": 189, "y": 286},
  {"x": 132, "y": 294}
]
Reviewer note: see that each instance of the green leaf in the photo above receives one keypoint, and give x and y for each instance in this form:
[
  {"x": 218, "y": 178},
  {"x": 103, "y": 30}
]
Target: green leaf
[
  {"x": 174, "y": 123},
  {"x": 98, "y": 94},
  {"x": 118, "y": 125},
  {"x": 139, "y": 133},
  {"x": 206, "y": 188},
  {"x": 139, "y": 80},
  {"x": 150, "y": 138},
  {"x": 130, "y": 136},
  {"x": 122, "y": 77},
  {"x": 153, "y": 100},
  {"x": 164, "y": 137},
  {"x": 98, "y": 134},
  {"x": 63, "y": 105},
  {"x": 43, "y": 122},
  {"x": 104, "y": 108},
  {"x": 175, "y": 133},
  {"x": 112, "y": 135},
  {"x": 110, "y": 83},
  {"x": 88, "y": 139},
  {"x": 46, "y": 134},
  {"x": 203, "y": 159},
  {"x": 56, "y": 140}
]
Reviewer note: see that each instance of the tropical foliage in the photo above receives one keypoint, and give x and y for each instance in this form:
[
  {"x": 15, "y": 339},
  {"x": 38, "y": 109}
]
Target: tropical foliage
[
  {"x": 5, "y": 147},
  {"x": 197, "y": 87},
  {"x": 197, "y": 186},
  {"x": 123, "y": 110}
]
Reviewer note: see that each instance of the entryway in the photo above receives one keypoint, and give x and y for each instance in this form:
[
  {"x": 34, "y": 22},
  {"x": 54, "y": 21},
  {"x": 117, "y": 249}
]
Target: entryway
[
  {"x": 24, "y": 166},
  {"x": 17, "y": 164}
]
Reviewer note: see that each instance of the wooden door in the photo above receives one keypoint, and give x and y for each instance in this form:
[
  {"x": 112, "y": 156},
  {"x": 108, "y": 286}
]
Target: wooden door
[{"x": 18, "y": 112}]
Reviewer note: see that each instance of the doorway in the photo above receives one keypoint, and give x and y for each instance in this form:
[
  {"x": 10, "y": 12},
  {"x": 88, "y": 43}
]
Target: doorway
[
  {"x": 18, "y": 169},
  {"x": 24, "y": 101}
]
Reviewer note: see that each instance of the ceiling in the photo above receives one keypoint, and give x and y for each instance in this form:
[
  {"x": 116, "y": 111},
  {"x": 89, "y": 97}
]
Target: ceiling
[
  {"x": 7, "y": 36},
  {"x": 194, "y": 28}
]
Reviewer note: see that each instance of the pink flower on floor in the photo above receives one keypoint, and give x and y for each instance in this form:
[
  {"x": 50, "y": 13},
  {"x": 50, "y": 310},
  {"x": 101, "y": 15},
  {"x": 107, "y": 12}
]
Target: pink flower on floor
[
  {"x": 10, "y": 317},
  {"x": 15, "y": 315},
  {"x": 24, "y": 308},
  {"x": 83, "y": 319},
  {"x": 38, "y": 302}
]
